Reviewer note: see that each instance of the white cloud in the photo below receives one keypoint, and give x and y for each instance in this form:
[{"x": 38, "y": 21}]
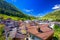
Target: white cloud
[
  {"x": 29, "y": 14},
  {"x": 39, "y": 15},
  {"x": 28, "y": 10},
  {"x": 56, "y": 7}
]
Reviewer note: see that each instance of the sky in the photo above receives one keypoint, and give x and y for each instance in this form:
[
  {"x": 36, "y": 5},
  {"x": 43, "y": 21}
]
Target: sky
[{"x": 36, "y": 7}]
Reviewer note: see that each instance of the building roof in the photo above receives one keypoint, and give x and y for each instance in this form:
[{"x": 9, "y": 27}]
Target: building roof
[{"x": 47, "y": 32}]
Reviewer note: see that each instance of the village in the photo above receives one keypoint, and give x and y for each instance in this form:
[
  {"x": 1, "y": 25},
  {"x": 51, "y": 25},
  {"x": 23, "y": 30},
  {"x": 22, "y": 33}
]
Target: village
[
  {"x": 29, "y": 19},
  {"x": 28, "y": 30}
]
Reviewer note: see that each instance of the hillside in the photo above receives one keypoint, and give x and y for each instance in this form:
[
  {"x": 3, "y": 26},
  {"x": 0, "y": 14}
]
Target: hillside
[
  {"x": 10, "y": 10},
  {"x": 55, "y": 15},
  {"x": 12, "y": 17}
]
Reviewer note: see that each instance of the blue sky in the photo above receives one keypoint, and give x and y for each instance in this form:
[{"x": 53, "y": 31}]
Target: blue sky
[{"x": 36, "y": 7}]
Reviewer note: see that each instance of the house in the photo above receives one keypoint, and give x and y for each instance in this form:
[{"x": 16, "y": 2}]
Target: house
[
  {"x": 46, "y": 33},
  {"x": 21, "y": 32},
  {"x": 43, "y": 32}
]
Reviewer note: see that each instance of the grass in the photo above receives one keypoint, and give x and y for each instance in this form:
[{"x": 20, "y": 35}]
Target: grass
[{"x": 12, "y": 17}]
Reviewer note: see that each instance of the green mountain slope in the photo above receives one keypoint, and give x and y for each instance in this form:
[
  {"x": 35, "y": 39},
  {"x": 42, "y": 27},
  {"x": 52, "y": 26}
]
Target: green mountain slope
[
  {"x": 12, "y": 17},
  {"x": 10, "y": 10},
  {"x": 55, "y": 15}
]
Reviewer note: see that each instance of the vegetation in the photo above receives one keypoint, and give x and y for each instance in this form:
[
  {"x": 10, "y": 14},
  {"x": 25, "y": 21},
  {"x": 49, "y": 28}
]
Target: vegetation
[
  {"x": 56, "y": 32},
  {"x": 10, "y": 10},
  {"x": 1, "y": 32},
  {"x": 55, "y": 16},
  {"x": 2, "y": 37},
  {"x": 12, "y": 17}
]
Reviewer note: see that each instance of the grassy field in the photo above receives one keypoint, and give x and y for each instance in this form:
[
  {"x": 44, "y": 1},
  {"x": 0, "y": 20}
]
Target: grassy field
[{"x": 12, "y": 17}]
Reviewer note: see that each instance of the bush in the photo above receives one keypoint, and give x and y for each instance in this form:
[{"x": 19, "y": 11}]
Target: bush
[
  {"x": 56, "y": 32},
  {"x": 1, "y": 32}
]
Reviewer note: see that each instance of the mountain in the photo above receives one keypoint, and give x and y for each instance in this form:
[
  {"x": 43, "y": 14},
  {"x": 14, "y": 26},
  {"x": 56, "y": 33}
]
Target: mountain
[
  {"x": 10, "y": 10},
  {"x": 54, "y": 15}
]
